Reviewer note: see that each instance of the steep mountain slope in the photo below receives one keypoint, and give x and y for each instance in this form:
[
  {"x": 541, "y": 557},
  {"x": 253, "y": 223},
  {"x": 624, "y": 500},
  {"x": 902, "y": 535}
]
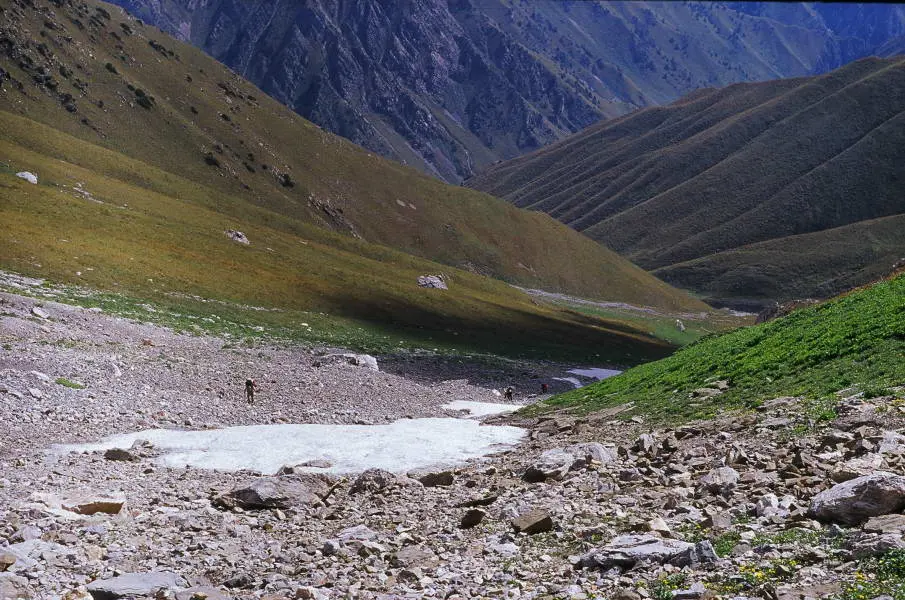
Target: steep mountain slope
[
  {"x": 711, "y": 191},
  {"x": 451, "y": 86},
  {"x": 147, "y": 150}
]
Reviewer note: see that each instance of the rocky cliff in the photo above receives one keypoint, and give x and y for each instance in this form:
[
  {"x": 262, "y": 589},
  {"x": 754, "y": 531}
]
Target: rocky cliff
[{"x": 451, "y": 86}]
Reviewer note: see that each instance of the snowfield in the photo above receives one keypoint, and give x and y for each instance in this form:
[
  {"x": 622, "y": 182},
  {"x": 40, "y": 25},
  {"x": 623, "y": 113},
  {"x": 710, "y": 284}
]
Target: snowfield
[{"x": 399, "y": 447}]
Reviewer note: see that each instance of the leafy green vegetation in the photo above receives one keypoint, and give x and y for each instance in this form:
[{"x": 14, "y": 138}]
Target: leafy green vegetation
[
  {"x": 857, "y": 339},
  {"x": 69, "y": 383},
  {"x": 663, "y": 588},
  {"x": 879, "y": 576}
]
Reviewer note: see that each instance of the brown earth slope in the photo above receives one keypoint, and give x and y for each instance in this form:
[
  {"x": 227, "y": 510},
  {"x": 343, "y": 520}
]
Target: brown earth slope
[{"x": 713, "y": 191}]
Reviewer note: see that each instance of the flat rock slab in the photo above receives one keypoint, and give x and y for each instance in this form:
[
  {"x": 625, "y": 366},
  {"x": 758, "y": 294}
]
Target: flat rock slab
[
  {"x": 886, "y": 524},
  {"x": 535, "y": 521},
  {"x": 134, "y": 584},
  {"x": 854, "y": 502},
  {"x": 626, "y": 551},
  {"x": 270, "y": 492}
]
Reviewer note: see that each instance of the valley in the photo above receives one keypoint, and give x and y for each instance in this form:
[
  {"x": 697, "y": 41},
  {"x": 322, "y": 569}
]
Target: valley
[
  {"x": 746, "y": 195},
  {"x": 244, "y": 358}
]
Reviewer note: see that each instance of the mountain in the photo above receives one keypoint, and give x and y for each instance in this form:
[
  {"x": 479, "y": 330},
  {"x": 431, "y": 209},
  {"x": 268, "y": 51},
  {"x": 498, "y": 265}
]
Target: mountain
[
  {"x": 893, "y": 47},
  {"x": 745, "y": 194},
  {"x": 147, "y": 150},
  {"x": 452, "y": 86}
]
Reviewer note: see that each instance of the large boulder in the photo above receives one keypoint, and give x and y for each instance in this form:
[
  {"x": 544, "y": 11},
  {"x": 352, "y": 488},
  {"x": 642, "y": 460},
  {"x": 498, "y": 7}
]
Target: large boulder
[
  {"x": 274, "y": 492},
  {"x": 432, "y": 281},
  {"x": 720, "y": 480},
  {"x": 855, "y": 501},
  {"x": 534, "y": 521},
  {"x": 130, "y": 585},
  {"x": 372, "y": 480},
  {"x": 626, "y": 551},
  {"x": 28, "y": 176},
  {"x": 556, "y": 462}
]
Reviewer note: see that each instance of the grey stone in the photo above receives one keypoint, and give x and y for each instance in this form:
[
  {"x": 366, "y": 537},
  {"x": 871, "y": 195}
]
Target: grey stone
[
  {"x": 626, "y": 551},
  {"x": 134, "y": 584},
  {"x": 532, "y": 522},
  {"x": 433, "y": 281},
  {"x": 271, "y": 492},
  {"x": 201, "y": 593},
  {"x": 120, "y": 454},
  {"x": 720, "y": 480},
  {"x": 472, "y": 518},
  {"x": 433, "y": 478},
  {"x": 854, "y": 502}
]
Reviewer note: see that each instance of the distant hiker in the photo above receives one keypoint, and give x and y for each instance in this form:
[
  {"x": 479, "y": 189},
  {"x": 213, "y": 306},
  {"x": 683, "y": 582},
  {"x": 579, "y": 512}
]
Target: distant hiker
[
  {"x": 250, "y": 387},
  {"x": 543, "y": 388},
  {"x": 680, "y": 325},
  {"x": 508, "y": 393}
]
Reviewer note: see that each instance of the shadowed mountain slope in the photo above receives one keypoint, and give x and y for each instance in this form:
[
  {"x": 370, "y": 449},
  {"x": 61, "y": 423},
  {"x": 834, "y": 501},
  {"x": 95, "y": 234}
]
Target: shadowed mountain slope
[
  {"x": 452, "y": 86},
  {"x": 708, "y": 190}
]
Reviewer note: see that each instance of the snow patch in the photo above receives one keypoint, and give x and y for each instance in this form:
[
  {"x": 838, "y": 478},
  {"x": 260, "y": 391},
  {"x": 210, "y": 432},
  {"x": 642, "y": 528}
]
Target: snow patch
[
  {"x": 573, "y": 380},
  {"x": 595, "y": 373},
  {"x": 399, "y": 447},
  {"x": 481, "y": 409}
]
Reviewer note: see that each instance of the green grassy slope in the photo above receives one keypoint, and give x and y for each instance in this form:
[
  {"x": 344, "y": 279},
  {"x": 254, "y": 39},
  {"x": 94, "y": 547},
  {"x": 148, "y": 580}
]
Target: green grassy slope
[
  {"x": 854, "y": 340},
  {"x": 820, "y": 264},
  {"x": 89, "y": 70},
  {"x": 724, "y": 169},
  {"x": 165, "y": 244}
]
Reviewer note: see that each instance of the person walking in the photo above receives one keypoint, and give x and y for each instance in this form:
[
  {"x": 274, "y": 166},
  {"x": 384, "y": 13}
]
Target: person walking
[
  {"x": 250, "y": 387},
  {"x": 508, "y": 393}
]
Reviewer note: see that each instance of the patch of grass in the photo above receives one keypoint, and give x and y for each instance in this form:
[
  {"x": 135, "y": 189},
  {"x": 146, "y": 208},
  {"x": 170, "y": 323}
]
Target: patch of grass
[
  {"x": 856, "y": 339},
  {"x": 881, "y": 576},
  {"x": 789, "y": 536},
  {"x": 725, "y": 542},
  {"x": 663, "y": 588},
  {"x": 70, "y": 384}
]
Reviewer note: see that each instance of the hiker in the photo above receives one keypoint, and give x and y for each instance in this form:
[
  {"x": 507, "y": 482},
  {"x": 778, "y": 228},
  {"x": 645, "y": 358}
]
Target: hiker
[
  {"x": 250, "y": 387},
  {"x": 543, "y": 388},
  {"x": 508, "y": 393}
]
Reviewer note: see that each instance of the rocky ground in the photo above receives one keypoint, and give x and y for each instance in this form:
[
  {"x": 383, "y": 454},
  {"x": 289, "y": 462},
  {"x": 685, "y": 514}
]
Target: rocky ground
[{"x": 781, "y": 502}]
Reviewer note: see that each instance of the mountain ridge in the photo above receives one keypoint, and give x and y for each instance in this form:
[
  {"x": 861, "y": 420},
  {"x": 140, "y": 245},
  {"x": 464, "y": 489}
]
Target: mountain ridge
[
  {"x": 452, "y": 87},
  {"x": 726, "y": 169},
  {"x": 156, "y": 145}
]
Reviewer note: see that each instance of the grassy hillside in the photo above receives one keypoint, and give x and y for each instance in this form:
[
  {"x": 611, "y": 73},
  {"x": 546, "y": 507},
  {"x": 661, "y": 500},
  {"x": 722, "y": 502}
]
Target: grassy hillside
[
  {"x": 147, "y": 151},
  {"x": 93, "y": 72},
  {"x": 820, "y": 264},
  {"x": 151, "y": 244},
  {"x": 854, "y": 340},
  {"x": 686, "y": 188}
]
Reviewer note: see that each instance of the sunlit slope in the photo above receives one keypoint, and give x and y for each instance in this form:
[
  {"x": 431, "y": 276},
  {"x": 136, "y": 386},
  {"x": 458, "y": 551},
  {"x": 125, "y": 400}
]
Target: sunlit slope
[
  {"x": 854, "y": 340},
  {"x": 93, "y": 72},
  {"x": 108, "y": 232},
  {"x": 721, "y": 170}
]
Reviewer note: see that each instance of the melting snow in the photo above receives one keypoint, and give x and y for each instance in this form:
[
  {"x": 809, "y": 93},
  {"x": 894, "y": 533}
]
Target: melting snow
[
  {"x": 398, "y": 447},
  {"x": 481, "y": 409},
  {"x": 573, "y": 380},
  {"x": 595, "y": 373},
  {"x": 590, "y": 373}
]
